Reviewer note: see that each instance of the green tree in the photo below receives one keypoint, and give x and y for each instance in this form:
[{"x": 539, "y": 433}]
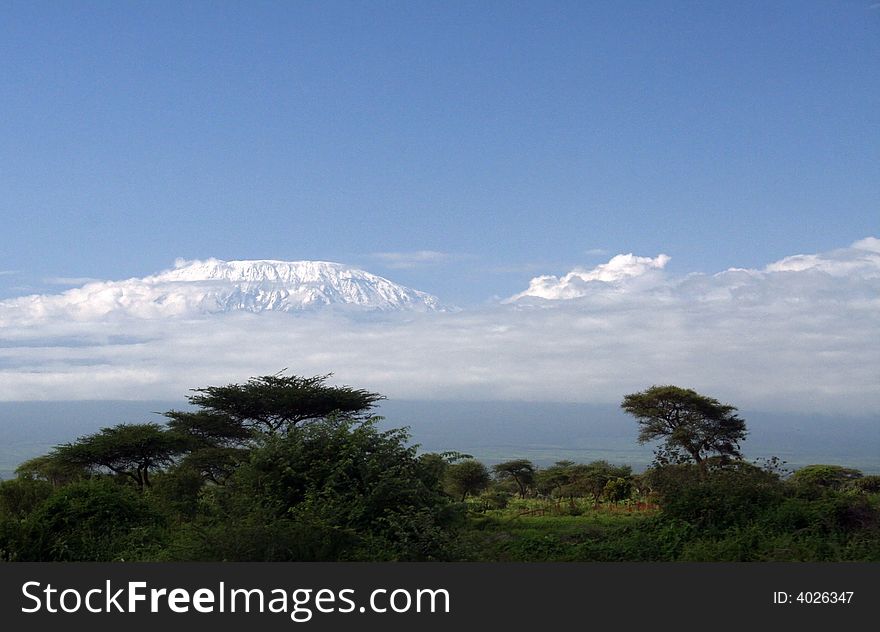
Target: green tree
[
  {"x": 331, "y": 490},
  {"x": 49, "y": 468},
  {"x": 129, "y": 450},
  {"x": 521, "y": 471},
  {"x": 591, "y": 479},
  {"x": 553, "y": 480},
  {"x": 209, "y": 429},
  {"x": 466, "y": 477},
  {"x": 693, "y": 427},
  {"x": 618, "y": 489},
  {"x": 230, "y": 420},
  {"x": 434, "y": 465},
  {"x": 269, "y": 404}
]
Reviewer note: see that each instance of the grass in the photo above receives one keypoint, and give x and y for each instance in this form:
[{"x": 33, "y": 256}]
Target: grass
[
  {"x": 544, "y": 531},
  {"x": 798, "y": 530}
]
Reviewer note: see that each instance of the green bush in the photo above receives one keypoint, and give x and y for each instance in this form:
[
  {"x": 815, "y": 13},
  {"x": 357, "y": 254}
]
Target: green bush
[
  {"x": 720, "y": 498},
  {"x": 867, "y": 484},
  {"x": 813, "y": 480},
  {"x": 93, "y": 521},
  {"x": 495, "y": 500},
  {"x": 337, "y": 489},
  {"x": 20, "y": 496}
]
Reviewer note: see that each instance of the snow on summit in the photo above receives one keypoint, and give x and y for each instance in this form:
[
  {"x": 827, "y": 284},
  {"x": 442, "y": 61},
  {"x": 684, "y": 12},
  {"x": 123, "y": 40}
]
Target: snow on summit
[{"x": 216, "y": 286}]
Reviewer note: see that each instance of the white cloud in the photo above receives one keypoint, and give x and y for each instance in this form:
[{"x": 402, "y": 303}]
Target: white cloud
[
  {"x": 868, "y": 243},
  {"x": 580, "y": 282},
  {"x": 860, "y": 259},
  {"x": 785, "y": 337}
]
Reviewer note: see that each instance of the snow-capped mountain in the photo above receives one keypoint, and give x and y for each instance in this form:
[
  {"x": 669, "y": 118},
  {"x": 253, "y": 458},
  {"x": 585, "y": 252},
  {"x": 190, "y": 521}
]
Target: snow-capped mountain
[
  {"x": 215, "y": 286},
  {"x": 260, "y": 285}
]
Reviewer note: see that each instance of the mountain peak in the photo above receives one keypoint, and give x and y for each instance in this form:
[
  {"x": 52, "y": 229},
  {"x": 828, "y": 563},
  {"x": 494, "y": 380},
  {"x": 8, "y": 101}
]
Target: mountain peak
[
  {"x": 268, "y": 284},
  {"x": 212, "y": 286}
]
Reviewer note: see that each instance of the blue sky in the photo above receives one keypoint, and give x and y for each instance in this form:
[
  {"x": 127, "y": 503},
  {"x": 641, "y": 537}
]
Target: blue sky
[{"x": 515, "y": 138}]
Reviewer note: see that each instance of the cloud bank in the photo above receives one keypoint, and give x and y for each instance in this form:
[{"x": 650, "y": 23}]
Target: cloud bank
[
  {"x": 618, "y": 273},
  {"x": 799, "y": 335}
]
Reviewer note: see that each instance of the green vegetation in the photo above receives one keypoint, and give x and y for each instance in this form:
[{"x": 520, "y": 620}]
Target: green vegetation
[
  {"x": 693, "y": 427},
  {"x": 286, "y": 468}
]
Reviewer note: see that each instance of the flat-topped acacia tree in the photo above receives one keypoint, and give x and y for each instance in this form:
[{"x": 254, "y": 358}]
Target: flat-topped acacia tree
[
  {"x": 270, "y": 404},
  {"x": 229, "y": 420},
  {"x": 128, "y": 450}
]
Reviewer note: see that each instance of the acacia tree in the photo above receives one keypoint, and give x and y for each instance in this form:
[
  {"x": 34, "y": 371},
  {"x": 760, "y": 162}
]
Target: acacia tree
[
  {"x": 522, "y": 471},
  {"x": 130, "y": 450},
  {"x": 230, "y": 420},
  {"x": 466, "y": 477},
  {"x": 270, "y": 404},
  {"x": 216, "y": 444},
  {"x": 693, "y": 427},
  {"x": 592, "y": 479},
  {"x": 555, "y": 479},
  {"x": 48, "y": 468}
]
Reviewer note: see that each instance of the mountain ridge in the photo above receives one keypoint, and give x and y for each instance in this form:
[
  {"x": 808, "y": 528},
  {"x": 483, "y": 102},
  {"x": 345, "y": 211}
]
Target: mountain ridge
[{"x": 253, "y": 285}]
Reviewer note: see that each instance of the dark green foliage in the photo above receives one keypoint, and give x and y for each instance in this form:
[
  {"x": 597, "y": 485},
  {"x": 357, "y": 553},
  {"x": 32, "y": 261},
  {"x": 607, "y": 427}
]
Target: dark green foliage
[
  {"x": 618, "y": 490},
  {"x": 232, "y": 419},
  {"x": 177, "y": 492},
  {"x": 737, "y": 512},
  {"x": 52, "y": 470},
  {"x": 214, "y": 464},
  {"x": 662, "y": 481},
  {"x": 433, "y": 468},
  {"x": 18, "y": 500},
  {"x": 722, "y": 498},
  {"x": 95, "y": 520},
  {"x": 129, "y": 450},
  {"x": 867, "y": 484},
  {"x": 19, "y": 497},
  {"x": 521, "y": 471},
  {"x": 208, "y": 429},
  {"x": 551, "y": 481},
  {"x": 468, "y": 477},
  {"x": 275, "y": 403},
  {"x": 494, "y": 500},
  {"x": 815, "y": 479},
  {"x": 692, "y": 426},
  {"x": 334, "y": 490},
  {"x": 591, "y": 479}
]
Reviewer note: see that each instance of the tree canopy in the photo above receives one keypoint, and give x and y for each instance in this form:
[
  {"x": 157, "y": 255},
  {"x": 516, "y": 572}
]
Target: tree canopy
[
  {"x": 466, "y": 477},
  {"x": 131, "y": 450},
  {"x": 521, "y": 471},
  {"x": 693, "y": 427},
  {"x": 272, "y": 404}
]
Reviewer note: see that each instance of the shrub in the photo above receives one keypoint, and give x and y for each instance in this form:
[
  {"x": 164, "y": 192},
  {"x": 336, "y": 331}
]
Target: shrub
[
  {"x": 815, "y": 479},
  {"x": 329, "y": 490},
  {"x": 20, "y": 496},
  {"x": 92, "y": 521},
  {"x": 728, "y": 496}
]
